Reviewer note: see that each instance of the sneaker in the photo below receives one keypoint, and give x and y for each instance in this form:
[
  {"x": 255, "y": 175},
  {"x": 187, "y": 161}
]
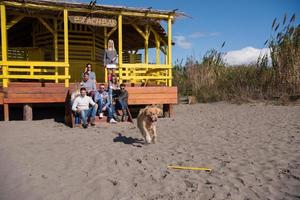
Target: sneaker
[
  {"x": 115, "y": 116},
  {"x": 92, "y": 121},
  {"x": 84, "y": 125},
  {"x": 112, "y": 121},
  {"x": 101, "y": 115}
]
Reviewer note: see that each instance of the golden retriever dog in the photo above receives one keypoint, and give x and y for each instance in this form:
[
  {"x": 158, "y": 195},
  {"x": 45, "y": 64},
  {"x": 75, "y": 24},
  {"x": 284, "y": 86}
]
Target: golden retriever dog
[{"x": 146, "y": 123}]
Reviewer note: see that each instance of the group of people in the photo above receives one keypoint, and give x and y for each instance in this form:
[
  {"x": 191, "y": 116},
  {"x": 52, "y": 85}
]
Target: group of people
[{"x": 90, "y": 101}]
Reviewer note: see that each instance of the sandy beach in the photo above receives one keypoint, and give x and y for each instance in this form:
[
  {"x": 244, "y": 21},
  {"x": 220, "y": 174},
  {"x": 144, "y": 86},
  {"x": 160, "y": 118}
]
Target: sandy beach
[{"x": 253, "y": 149}]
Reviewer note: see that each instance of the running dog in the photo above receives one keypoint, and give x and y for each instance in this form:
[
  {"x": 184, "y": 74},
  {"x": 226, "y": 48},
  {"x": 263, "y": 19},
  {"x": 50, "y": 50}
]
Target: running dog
[{"x": 146, "y": 123}]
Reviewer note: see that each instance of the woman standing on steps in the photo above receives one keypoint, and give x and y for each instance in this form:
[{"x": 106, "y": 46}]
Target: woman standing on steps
[{"x": 110, "y": 61}]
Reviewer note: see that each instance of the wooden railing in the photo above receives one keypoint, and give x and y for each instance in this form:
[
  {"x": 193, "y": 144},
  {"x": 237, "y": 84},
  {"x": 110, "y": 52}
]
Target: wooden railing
[
  {"x": 159, "y": 74},
  {"x": 34, "y": 70}
]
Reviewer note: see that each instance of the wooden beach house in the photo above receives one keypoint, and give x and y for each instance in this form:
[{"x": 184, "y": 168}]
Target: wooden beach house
[{"x": 45, "y": 46}]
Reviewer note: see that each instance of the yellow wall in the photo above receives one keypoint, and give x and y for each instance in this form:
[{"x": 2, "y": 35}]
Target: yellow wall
[{"x": 85, "y": 46}]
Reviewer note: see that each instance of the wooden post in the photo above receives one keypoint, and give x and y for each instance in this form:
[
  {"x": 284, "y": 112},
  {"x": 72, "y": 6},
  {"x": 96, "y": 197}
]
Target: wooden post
[
  {"x": 66, "y": 44},
  {"x": 120, "y": 46},
  {"x": 146, "y": 44},
  {"x": 170, "y": 49},
  {"x": 27, "y": 112},
  {"x": 168, "y": 110},
  {"x": 6, "y": 112},
  {"x": 55, "y": 49},
  {"x": 105, "y": 47},
  {"x": 4, "y": 45},
  {"x": 157, "y": 50}
]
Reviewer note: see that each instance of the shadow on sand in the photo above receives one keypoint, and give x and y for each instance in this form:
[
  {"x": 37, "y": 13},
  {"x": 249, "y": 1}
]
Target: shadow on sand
[{"x": 129, "y": 140}]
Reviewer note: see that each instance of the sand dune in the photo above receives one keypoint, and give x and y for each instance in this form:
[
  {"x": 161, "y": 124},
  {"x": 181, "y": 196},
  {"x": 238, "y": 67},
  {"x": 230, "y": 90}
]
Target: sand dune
[{"x": 253, "y": 149}]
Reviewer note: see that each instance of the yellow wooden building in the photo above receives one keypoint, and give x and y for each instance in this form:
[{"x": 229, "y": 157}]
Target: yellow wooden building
[{"x": 50, "y": 42}]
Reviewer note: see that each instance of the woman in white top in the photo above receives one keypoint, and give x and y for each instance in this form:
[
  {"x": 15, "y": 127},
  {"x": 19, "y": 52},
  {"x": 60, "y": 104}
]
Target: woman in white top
[{"x": 110, "y": 59}]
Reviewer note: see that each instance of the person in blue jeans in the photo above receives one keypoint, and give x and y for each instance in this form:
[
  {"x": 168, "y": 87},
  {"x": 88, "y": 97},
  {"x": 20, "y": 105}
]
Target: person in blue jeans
[
  {"x": 82, "y": 107},
  {"x": 104, "y": 104}
]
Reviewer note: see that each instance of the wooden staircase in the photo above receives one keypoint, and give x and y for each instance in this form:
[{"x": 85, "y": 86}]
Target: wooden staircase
[{"x": 44, "y": 93}]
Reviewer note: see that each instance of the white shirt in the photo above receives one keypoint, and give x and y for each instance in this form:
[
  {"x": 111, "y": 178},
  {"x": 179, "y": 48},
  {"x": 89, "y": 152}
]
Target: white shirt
[{"x": 82, "y": 103}]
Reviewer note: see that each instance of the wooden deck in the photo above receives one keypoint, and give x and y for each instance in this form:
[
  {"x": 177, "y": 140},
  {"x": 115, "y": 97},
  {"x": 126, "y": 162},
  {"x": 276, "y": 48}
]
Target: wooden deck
[{"x": 42, "y": 93}]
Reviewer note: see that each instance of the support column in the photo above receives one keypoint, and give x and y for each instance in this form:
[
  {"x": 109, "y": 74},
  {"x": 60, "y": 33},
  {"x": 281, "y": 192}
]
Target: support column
[
  {"x": 105, "y": 47},
  {"x": 167, "y": 110},
  {"x": 157, "y": 53},
  {"x": 66, "y": 44},
  {"x": 146, "y": 44},
  {"x": 120, "y": 46},
  {"x": 170, "y": 49},
  {"x": 6, "y": 112},
  {"x": 166, "y": 54},
  {"x": 27, "y": 112},
  {"x": 4, "y": 45},
  {"x": 55, "y": 49}
]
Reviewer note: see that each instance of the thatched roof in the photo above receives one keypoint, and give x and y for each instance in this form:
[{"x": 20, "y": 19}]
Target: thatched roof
[
  {"x": 96, "y": 8},
  {"x": 138, "y": 16}
]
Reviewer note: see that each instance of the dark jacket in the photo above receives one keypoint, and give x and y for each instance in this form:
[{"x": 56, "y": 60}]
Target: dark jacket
[{"x": 123, "y": 96}]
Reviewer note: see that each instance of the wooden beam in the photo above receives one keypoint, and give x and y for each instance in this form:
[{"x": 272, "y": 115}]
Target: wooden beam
[
  {"x": 157, "y": 52},
  {"x": 14, "y": 21},
  {"x": 120, "y": 44},
  {"x": 46, "y": 25},
  {"x": 55, "y": 48},
  {"x": 139, "y": 30},
  {"x": 35, "y": 63},
  {"x": 105, "y": 47},
  {"x": 169, "y": 41},
  {"x": 66, "y": 44},
  {"x": 6, "y": 112},
  {"x": 27, "y": 112},
  {"x": 170, "y": 50},
  {"x": 4, "y": 45},
  {"x": 85, "y": 10},
  {"x": 111, "y": 31},
  {"x": 147, "y": 34}
]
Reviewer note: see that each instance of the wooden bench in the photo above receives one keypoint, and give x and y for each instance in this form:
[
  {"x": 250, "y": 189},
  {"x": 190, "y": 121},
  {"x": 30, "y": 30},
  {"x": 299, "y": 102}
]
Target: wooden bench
[{"x": 29, "y": 93}]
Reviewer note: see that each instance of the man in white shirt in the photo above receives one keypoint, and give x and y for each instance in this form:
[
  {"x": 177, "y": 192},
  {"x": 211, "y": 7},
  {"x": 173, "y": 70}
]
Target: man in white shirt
[{"x": 81, "y": 106}]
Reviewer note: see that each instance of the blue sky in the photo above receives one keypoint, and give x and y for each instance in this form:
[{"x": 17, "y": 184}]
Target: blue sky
[{"x": 243, "y": 24}]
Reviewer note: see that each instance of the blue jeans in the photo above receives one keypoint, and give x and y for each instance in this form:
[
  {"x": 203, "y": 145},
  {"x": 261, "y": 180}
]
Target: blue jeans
[
  {"x": 123, "y": 104},
  {"x": 77, "y": 118},
  {"x": 85, "y": 114},
  {"x": 109, "y": 108}
]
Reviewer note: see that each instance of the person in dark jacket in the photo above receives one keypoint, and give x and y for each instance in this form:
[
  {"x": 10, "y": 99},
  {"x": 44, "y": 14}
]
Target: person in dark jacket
[{"x": 123, "y": 100}]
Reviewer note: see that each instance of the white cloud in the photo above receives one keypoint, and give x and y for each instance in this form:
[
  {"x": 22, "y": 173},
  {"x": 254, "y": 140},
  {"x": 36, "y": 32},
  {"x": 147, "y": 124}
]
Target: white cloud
[
  {"x": 201, "y": 34},
  {"x": 214, "y": 34},
  {"x": 182, "y": 42},
  {"x": 197, "y": 35},
  {"x": 245, "y": 56}
]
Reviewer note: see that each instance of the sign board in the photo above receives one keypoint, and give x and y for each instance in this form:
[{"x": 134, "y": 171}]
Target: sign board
[{"x": 93, "y": 21}]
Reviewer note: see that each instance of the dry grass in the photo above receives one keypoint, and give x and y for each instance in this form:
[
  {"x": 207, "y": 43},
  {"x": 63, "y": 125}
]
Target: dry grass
[{"x": 210, "y": 80}]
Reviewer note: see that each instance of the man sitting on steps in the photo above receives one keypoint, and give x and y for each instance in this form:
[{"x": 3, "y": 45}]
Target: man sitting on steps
[
  {"x": 81, "y": 106},
  {"x": 104, "y": 104}
]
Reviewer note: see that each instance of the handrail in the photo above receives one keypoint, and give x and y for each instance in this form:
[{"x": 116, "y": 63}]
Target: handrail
[
  {"x": 27, "y": 70},
  {"x": 142, "y": 73}
]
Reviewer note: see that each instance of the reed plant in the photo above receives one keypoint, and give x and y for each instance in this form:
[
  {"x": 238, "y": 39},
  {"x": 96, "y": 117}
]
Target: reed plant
[{"x": 211, "y": 80}]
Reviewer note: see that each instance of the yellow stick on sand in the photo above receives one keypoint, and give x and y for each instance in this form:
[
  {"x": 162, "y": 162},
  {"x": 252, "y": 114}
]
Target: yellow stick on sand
[{"x": 190, "y": 168}]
